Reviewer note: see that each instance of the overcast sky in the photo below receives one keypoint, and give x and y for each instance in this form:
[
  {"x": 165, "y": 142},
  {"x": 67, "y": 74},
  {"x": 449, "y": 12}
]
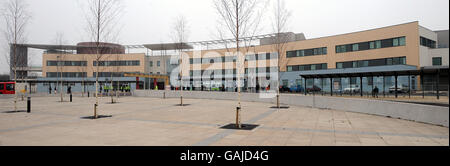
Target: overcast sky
[{"x": 150, "y": 21}]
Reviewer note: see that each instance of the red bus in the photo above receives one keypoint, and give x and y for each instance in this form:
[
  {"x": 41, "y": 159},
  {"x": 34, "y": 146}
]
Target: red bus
[{"x": 7, "y": 88}]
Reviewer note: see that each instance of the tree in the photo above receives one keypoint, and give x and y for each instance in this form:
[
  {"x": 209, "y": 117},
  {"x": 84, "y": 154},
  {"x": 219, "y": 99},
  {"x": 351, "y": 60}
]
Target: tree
[
  {"x": 59, "y": 40},
  {"x": 101, "y": 20},
  {"x": 279, "y": 22},
  {"x": 241, "y": 18},
  {"x": 16, "y": 18},
  {"x": 180, "y": 36}
]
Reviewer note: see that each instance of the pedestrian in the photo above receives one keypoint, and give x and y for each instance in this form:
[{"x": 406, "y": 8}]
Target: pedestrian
[
  {"x": 49, "y": 89},
  {"x": 69, "y": 90},
  {"x": 375, "y": 92}
]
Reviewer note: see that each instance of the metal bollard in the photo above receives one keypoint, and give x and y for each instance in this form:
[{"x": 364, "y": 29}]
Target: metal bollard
[
  {"x": 70, "y": 97},
  {"x": 28, "y": 104}
]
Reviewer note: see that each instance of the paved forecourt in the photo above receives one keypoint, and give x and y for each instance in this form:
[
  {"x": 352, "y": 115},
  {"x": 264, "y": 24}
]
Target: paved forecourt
[{"x": 156, "y": 121}]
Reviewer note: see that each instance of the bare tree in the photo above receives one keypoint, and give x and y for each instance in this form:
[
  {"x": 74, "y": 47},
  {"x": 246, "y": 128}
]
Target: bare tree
[
  {"x": 280, "y": 19},
  {"x": 180, "y": 36},
  {"x": 16, "y": 17},
  {"x": 101, "y": 20},
  {"x": 59, "y": 40},
  {"x": 241, "y": 18}
]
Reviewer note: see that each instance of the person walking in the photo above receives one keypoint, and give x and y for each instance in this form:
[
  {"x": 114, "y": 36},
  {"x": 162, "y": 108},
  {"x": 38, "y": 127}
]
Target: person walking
[
  {"x": 375, "y": 92},
  {"x": 49, "y": 89}
]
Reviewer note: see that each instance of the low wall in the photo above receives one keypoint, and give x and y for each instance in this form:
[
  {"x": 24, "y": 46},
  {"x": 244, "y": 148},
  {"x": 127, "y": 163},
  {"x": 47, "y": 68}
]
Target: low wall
[{"x": 436, "y": 115}]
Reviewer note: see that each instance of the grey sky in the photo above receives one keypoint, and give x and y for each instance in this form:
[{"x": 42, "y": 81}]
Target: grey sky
[{"x": 149, "y": 21}]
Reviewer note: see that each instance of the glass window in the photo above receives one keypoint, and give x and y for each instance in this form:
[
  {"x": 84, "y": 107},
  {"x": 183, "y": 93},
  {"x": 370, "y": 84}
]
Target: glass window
[
  {"x": 316, "y": 51},
  {"x": 437, "y": 61},
  {"x": 313, "y": 67},
  {"x": 389, "y": 61},
  {"x": 289, "y": 68},
  {"x": 319, "y": 51},
  {"x": 355, "y": 64},
  {"x": 355, "y": 47},
  {"x": 324, "y": 66},
  {"x": 378, "y": 44},
  {"x": 324, "y": 50},
  {"x": 395, "y": 61},
  {"x": 402, "y": 41},
  {"x": 338, "y": 49},
  {"x": 339, "y": 65},
  {"x": 2, "y": 86},
  {"x": 9, "y": 87},
  {"x": 158, "y": 63},
  {"x": 343, "y": 48},
  {"x": 395, "y": 42},
  {"x": 372, "y": 45},
  {"x": 296, "y": 68},
  {"x": 403, "y": 60},
  {"x": 151, "y": 63}
]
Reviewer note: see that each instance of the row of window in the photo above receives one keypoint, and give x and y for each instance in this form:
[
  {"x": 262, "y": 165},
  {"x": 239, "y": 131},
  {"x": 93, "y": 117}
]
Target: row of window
[
  {"x": 101, "y": 63},
  {"x": 322, "y": 66},
  {"x": 374, "y": 62},
  {"x": 252, "y": 57},
  {"x": 393, "y": 42},
  {"x": 233, "y": 71},
  {"x": 108, "y": 74},
  {"x": 67, "y": 74},
  {"x": 117, "y": 63},
  {"x": 66, "y": 63},
  {"x": 307, "y": 52},
  {"x": 427, "y": 42},
  {"x": 158, "y": 63}
]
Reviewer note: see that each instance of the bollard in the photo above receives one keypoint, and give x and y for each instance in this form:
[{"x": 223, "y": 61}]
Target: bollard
[
  {"x": 95, "y": 111},
  {"x": 28, "y": 104},
  {"x": 70, "y": 97},
  {"x": 164, "y": 97},
  {"x": 88, "y": 94}
]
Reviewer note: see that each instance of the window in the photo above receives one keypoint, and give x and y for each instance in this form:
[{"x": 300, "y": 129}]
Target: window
[
  {"x": 9, "y": 87},
  {"x": 355, "y": 47},
  {"x": 289, "y": 68},
  {"x": 339, "y": 65},
  {"x": 402, "y": 41},
  {"x": 395, "y": 42},
  {"x": 437, "y": 61},
  {"x": 2, "y": 86},
  {"x": 324, "y": 50},
  {"x": 389, "y": 61},
  {"x": 191, "y": 61},
  {"x": 285, "y": 82},
  {"x": 378, "y": 44},
  {"x": 158, "y": 63},
  {"x": 427, "y": 42},
  {"x": 372, "y": 45}
]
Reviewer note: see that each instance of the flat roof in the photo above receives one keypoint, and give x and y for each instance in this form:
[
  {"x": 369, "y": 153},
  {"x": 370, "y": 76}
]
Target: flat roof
[
  {"x": 168, "y": 46},
  {"x": 374, "y": 71}
]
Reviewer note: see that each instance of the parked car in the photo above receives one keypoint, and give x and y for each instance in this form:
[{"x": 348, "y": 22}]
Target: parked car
[
  {"x": 400, "y": 89},
  {"x": 296, "y": 89},
  {"x": 284, "y": 89},
  {"x": 354, "y": 89},
  {"x": 313, "y": 89}
]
